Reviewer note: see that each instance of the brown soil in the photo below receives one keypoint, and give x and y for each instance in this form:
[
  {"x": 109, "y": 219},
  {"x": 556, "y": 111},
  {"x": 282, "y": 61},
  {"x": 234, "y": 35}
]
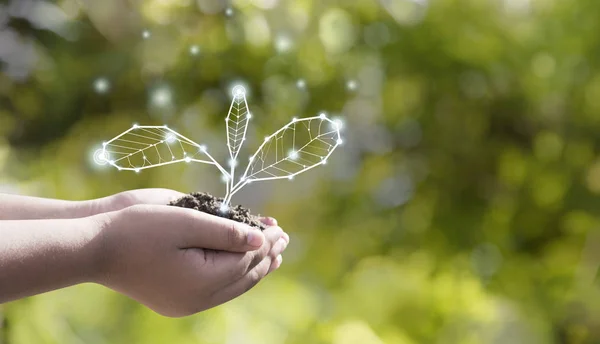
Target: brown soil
[{"x": 211, "y": 205}]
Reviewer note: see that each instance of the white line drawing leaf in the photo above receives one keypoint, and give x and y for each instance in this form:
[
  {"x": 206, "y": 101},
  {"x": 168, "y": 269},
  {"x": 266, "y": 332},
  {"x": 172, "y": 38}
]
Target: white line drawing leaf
[
  {"x": 237, "y": 122},
  {"x": 296, "y": 148},
  {"x": 143, "y": 147}
]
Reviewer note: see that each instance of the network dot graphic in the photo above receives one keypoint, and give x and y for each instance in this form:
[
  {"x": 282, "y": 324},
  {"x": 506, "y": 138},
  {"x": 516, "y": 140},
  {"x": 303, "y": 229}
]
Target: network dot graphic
[{"x": 297, "y": 147}]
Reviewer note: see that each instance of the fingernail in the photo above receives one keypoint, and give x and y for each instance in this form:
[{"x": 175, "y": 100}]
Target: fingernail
[{"x": 254, "y": 238}]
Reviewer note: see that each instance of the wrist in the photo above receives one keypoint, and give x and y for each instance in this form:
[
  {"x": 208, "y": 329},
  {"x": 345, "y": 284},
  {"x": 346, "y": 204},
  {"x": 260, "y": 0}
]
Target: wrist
[{"x": 97, "y": 254}]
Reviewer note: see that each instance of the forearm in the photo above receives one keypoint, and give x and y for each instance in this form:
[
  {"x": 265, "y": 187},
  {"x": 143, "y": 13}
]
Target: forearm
[
  {"x": 16, "y": 207},
  {"x": 37, "y": 256}
]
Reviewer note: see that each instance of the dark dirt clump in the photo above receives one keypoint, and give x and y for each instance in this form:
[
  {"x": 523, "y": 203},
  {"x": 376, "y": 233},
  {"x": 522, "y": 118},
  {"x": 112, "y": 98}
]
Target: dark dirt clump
[{"x": 210, "y": 204}]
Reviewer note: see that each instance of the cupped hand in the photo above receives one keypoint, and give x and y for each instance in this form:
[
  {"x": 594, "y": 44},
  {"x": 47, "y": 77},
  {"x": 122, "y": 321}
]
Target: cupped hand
[
  {"x": 179, "y": 261},
  {"x": 130, "y": 198}
]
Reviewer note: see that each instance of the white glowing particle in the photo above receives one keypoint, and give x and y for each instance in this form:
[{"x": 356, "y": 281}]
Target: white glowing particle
[
  {"x": 188, "y": 159},
  {"x": 322, "y": 115},
  {"x": 146, "y": 34},
  {"x": 135, "y": 125},
  {"x": 352, "y": 85},
  {"x": 294, "y": 119},
  {"x": 249, "y": 115},
  {"x": 162, "y": 97},
  {"x": 101, "y": 85},
  {"x": 339, "y": 142},
  {"x": 301, "y": 84},
  {"x": 229, "y": 12},
  {"x": 194, "y": 50},
  {"x": 283, "y": 44}
]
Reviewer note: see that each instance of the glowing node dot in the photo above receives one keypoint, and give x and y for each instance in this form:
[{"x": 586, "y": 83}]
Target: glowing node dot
[
  {"x": 229, "y": 12},
  {"x": 145, "y": 158},
  {"x": 293, "y": 155},
  {"x": 339, "y": 142},
  {"x": 170, "y": 138},
  {"x": 194, "y": 50},
  {"x": 337, "y": 124},
  {"x": 267, "y": 138},
  {"x": 100, "y": 157},
  {"x": 118, "y": 168},
  {"x": 146, "y": 34},
  {"x": 104, "y": 143},
  {"x": 291, "y": 177},
  {"x": 172, "y": 158},
  {"x": 203, "y": 148},
  {"x": 301, "y": 84},
  {"x": 224, "y": 178},
  {"x": 249, "y": 115},
  {"x": 249, "y": 181},
  {"x": 188, "y": 159},
  {"x": 238, "y": 91},
  {"x": 137, "y": 170},
  {"x": 135, "y": 125},
  {"x": 322, "y": 115},
  {"x": 324, "y": 161},
  {"x": 251, "y": 158}
]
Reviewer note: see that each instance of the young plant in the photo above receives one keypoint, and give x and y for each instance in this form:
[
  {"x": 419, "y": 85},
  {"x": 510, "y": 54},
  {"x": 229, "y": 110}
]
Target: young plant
[{"x": 297, "y": 147}]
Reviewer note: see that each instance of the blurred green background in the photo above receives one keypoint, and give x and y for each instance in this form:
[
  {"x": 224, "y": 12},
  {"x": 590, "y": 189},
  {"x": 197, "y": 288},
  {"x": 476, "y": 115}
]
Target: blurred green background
[{"x": 462, "y": 208}]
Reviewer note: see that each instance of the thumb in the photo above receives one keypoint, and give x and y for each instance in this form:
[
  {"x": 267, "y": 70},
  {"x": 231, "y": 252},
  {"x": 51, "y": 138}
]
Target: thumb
[{"x": 216, "y": 233}]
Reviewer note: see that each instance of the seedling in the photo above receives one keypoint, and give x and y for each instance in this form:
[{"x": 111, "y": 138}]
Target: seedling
[{"x": 297, "y": 147}]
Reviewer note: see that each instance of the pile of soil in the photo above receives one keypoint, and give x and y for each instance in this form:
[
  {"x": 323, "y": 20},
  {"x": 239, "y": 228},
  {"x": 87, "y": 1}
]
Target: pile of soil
[{"x": 210, "y": 204}]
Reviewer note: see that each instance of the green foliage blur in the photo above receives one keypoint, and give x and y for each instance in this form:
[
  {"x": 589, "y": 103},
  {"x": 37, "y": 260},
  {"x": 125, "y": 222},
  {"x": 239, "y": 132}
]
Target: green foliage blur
[{"x": 462, "y": 208}]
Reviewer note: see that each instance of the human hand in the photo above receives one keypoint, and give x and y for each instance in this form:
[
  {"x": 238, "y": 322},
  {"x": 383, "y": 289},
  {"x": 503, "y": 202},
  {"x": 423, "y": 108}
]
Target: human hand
[
  {"x": 130, "y": 198},
  {"x": 180, "y": 261}
]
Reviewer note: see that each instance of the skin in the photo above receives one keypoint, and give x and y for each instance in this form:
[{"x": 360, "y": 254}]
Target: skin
[{"x": 175, "y": 261}]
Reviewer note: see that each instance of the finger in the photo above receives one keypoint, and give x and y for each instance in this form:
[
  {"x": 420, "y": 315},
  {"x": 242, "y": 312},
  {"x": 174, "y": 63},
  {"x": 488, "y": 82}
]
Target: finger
[
  {"x": 269, "y": 221},
  {"x": 236, "y": 265},
  {"x": 242, "y": 285},
  {"x": 213, "y": 232},
  {"x": 275, "y": 264}
]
